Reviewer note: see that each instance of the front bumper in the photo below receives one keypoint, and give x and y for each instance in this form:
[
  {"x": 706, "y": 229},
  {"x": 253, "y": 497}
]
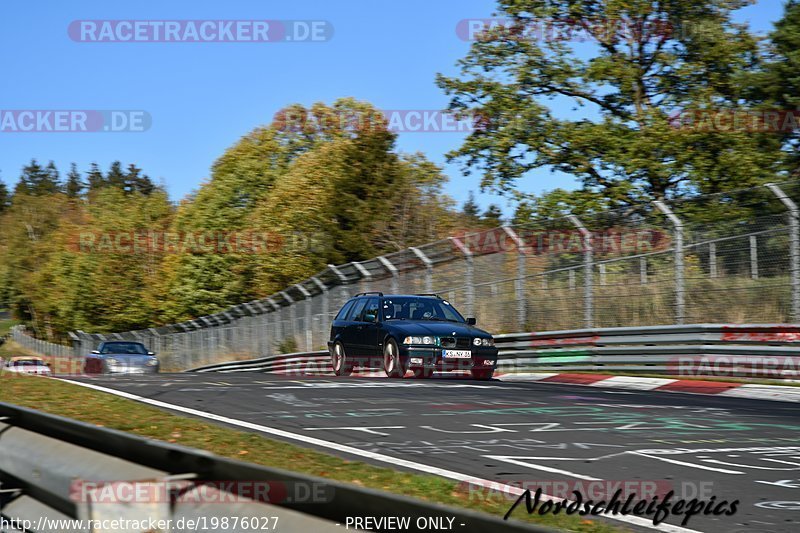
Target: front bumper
[
  {"x": 119, "y": 369},
  {"x": 484, "y": 357}
]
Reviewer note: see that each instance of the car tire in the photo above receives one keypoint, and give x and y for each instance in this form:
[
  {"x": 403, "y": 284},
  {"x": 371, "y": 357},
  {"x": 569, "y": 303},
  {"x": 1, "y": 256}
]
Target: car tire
[
  {"x": 422, "y": 373},
  {"x": 482, "y": 374},
  {"x": 393, "y": 364},
  {"x": 341, "y": 366}
]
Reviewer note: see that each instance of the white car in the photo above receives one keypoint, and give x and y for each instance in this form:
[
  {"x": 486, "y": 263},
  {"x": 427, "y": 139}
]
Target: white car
[{"x": 28, "y": 365}]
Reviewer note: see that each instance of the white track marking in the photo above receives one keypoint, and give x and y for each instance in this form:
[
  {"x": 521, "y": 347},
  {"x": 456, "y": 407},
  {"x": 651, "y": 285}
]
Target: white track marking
[
  {"x": 394, "y": 461},
  {"x": 683, "y": 463},
  {"x": 630, "y": 382},
  {"x": 518, "y": 462}
]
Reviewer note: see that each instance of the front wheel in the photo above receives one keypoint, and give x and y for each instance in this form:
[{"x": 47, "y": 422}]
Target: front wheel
[
  {"x": 341, "y": 366},
  {"x": 392, "y": 362},
  {"x": 482, "y": 374}
]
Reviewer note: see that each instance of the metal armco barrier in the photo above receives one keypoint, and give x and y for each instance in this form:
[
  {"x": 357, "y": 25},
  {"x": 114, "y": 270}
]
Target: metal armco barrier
[
  {"x": 44, "y": 457},
  {"x": 731, "y": 350}
]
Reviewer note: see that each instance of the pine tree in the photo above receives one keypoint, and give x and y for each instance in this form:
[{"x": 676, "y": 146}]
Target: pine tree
[
  {"x": 470, "y": 208},
  {"x": 74, "y": 186},
  {"x": 116, "y": 176},
  {"x": 3, "y": 197},
  {"x": 493, "y": 216},
  {"x": 38, "y": 181},
  {"x": 95, "y": 178},
  {"x": 135, "y": 181}
]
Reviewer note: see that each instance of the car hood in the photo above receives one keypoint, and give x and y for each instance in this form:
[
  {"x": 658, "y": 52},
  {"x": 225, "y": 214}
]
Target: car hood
[{"x": 439, "y": 329}]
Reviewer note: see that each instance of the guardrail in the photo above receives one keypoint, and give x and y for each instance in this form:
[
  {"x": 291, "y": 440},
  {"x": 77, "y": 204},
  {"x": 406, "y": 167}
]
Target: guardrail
[
  {"x": 49, "y": 461},
  {"x": 730, "y": 350}
]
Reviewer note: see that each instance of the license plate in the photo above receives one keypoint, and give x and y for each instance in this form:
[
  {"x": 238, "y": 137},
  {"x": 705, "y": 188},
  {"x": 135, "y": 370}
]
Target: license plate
[{"x": 457, "y": 354}]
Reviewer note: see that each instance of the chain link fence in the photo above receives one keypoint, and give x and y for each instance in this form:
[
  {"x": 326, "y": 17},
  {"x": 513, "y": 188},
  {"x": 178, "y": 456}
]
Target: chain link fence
[{"x": 732, "y": 257}]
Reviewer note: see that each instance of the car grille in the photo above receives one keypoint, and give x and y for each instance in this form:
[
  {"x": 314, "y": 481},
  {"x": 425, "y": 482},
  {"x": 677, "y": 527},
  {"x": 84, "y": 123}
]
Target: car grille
[{"x": 462, "y": 343}]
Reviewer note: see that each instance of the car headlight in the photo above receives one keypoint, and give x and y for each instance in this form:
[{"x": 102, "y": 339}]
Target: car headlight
[
  {"x": 483, "y": 342},
  {"x": 111, "y": 361},
  {"x": 419, "y": 340},
  {"x": 152, "y": 362}
]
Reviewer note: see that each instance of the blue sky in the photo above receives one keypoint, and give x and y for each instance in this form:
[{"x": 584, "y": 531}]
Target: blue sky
[{"x": 203, "y": 97}]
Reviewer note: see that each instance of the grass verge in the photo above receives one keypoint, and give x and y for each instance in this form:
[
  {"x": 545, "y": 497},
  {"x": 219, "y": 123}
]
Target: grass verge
[{"x": 64, "y": 399}]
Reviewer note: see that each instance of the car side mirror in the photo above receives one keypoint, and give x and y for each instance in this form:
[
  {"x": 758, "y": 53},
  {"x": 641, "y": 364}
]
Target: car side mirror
[
  {"x": 471, "y": 321},
  {"x": 96, "y": 351}
]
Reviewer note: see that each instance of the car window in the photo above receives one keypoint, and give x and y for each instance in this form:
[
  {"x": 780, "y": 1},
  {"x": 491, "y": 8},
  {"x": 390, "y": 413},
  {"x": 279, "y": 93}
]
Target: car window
[
  {"x": 344, "y": 310},
  {"x": 355, "y": 312},
  {"x": 370, "y": 311},
  {"x": 420, "y": 308},
  {"x": 124, "y": 348}
]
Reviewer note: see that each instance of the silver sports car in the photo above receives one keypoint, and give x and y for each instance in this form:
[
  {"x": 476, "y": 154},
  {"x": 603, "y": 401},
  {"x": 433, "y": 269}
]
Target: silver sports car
[{"x": 121, "y": 357}]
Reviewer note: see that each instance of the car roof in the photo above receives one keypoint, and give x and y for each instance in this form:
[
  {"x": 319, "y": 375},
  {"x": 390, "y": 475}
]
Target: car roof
[
  {"x": 26, "y": 358},
  {"x": 376, "y": 295}
]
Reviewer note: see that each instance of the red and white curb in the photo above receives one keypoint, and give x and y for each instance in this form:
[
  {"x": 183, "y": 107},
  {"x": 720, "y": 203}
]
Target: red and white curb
[{"x": 694, "y": 386}]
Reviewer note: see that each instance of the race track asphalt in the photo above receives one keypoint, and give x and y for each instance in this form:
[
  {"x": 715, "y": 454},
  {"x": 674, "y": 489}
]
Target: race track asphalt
[{"x": 553, "y": 436}]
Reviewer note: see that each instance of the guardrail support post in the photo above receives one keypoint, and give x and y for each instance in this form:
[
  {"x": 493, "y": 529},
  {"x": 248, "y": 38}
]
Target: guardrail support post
[
  {"x": 470, "y": 305},
  {"x": 794, "y": 248},
  {"x": 519, "y": 282},
  {"x": 428, "y": 268},
  {"x": 680, "y": 304},
  {"x": 588, "y": 272}
]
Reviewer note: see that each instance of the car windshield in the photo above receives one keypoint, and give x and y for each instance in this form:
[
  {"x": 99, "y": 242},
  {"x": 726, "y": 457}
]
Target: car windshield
[
  {"x": 126, "y": 348},
  {"x": 27, "y": 362},
  {"x": 420, "y": 308}
]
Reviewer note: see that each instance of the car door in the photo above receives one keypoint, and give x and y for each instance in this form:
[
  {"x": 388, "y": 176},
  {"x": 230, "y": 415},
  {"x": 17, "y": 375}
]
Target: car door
[
  {"x": 368, "y": 327},
  {"x": 350, "y": 332}
]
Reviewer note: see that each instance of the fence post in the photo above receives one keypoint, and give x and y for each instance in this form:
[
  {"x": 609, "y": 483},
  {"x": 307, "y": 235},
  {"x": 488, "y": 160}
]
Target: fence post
[
  {"x": 680, "y": 304},
  {"x": 753, "y": 257},
  {"x": 393, "y": 270},
  {"x": 366, "y": 277},
  {"x": 712, "y": 259},
  {"x": 342, "y": 280},
  {"x": 519, "y": 282},
  {"x": 588, "y": 272},
  {"x": 307, "y": 320},
  {"x": 323, "y": 323},
  {"x": 470, "y": 306},
  {"x": 428, "y": 268},
  {"x": 794, "y": 248},
  {"x": 643, "y": 271}
]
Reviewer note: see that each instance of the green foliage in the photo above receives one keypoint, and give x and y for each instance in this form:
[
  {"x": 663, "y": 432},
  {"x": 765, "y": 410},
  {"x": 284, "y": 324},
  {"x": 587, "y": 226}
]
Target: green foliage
[
  {"x": 777, "y": 85},
  {"x": 620, "y": 140}
]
